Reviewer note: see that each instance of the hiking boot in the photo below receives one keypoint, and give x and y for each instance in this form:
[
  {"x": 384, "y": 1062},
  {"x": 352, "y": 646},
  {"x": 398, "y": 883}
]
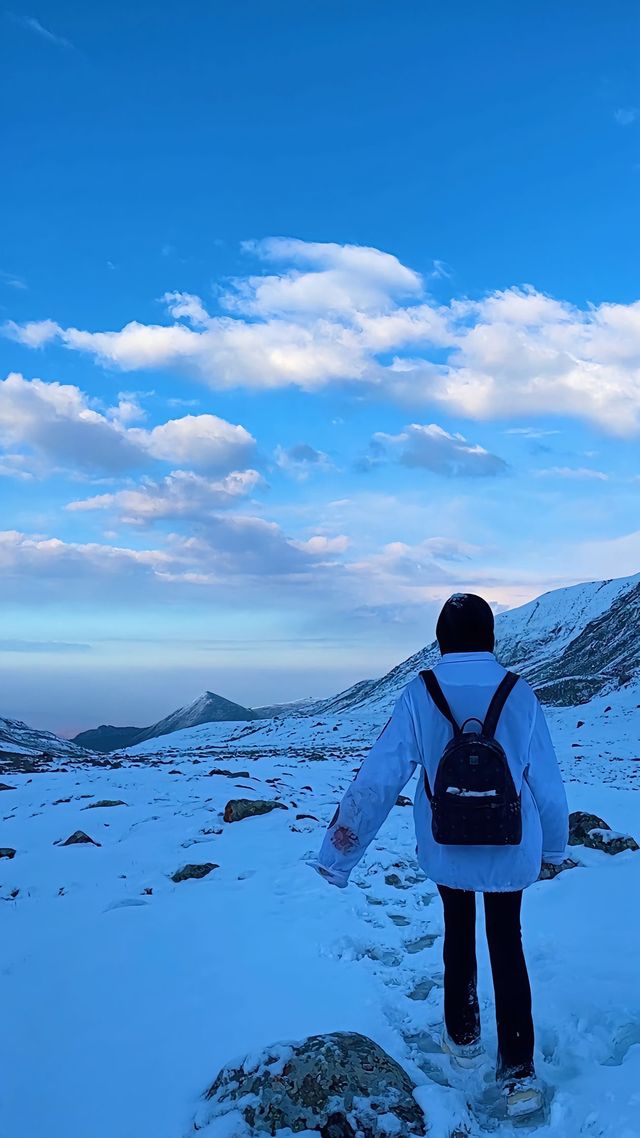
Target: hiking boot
[
  {"x": 466, "y": 1055},
  {"x": 522, "y": 1096}
]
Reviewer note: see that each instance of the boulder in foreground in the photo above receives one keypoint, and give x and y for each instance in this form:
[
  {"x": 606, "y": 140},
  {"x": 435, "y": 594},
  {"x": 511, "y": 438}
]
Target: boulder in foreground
[
  {"x": 591, "y": 831},
  {"x": 239, "y": 808},
  {"x": 337, "y": 1085},
  {"x": 609, "y": 841},
  {"x": 579, "y": 825}
]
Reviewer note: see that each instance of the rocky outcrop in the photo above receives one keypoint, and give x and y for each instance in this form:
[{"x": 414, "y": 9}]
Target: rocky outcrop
[
  {"x": 609, "y": 841},
  {"x": 579, "y": 825},
  {"x": 337, "y": 1085},
  {"x": 6, "y": 851},
  {"x": 591, "y": 831},
  {"x": 194, "y": 872},
  {"x": 239, "y": 808},
  {"x": 79, "y": 839}
]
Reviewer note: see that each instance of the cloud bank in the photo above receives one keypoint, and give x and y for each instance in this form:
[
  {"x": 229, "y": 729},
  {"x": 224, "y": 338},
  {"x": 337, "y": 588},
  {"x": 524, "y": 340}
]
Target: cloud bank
[{"x": 331, "y": 314}]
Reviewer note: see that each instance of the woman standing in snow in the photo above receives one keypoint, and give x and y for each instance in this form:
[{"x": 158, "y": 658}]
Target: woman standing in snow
[{"x": 490, "y": 809}]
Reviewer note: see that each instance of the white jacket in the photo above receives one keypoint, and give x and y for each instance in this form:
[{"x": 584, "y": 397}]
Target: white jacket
[{"x": 416, "y": 736}]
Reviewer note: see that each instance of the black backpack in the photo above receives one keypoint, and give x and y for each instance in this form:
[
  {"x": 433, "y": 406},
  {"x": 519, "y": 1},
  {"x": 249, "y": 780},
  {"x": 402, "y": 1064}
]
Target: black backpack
[{"x": 474, "y": 800}]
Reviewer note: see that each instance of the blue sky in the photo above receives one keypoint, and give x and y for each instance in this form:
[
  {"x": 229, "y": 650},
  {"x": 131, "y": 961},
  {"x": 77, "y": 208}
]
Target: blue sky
[{"x": 312, "y": 314}]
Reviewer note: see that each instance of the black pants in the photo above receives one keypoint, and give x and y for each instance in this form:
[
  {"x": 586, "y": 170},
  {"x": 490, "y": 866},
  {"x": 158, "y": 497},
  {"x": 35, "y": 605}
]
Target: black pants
[{"x": 509, "y": 969}]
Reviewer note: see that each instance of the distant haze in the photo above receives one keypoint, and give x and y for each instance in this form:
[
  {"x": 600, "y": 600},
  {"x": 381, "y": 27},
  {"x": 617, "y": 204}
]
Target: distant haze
[{"x": 68, "y": 700}]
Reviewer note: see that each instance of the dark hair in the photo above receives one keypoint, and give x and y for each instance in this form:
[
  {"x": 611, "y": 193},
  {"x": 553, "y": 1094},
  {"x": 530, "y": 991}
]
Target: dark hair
[{"x": 465, "y": 624}]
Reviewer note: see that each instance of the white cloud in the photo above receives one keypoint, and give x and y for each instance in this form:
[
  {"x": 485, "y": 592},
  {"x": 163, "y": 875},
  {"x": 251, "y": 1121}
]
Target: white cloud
[
  {"x": 625, "y": 116},
  {"x": 347, "y": 315},
  {"x": 338, "y": 278},
  {"x": 127, "y": 410},
  {"x": 321, "y": 545},
  {"x": 230, "y": 553},
  {"x": 57, "y": 423},
  {"x": 531, "y": 432},
  {"x": 33, "y": 25},
  {"x": 186, "y": 306},
  {"x": 203, "y": 441},
  {"x": 15, "y": 466},
  {"x": 301, "y": 459},
  {"x": 12, "y": 281},
  {"x": 53, "y": 565},
  {"x": 182, "y": 494},
  {"x": 432, "y": 448},
  {"x": 578, "y": 472},
  {"x": 33, "y": 334}
]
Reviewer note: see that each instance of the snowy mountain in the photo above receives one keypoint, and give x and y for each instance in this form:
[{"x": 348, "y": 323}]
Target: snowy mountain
[
  {"x": 16, "y": 738},
  {"x": 208, "y": 708},
  {"x": 571, "y": 644}
]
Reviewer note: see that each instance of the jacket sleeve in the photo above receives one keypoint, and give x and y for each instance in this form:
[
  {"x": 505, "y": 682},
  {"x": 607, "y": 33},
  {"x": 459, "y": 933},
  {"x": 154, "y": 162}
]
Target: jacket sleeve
[
  {"x": 547, "y": 787},
  {"x": 367, "y": 802}
]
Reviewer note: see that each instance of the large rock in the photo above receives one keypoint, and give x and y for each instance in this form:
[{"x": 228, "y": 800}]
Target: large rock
[
  {"x": 6, "y": 851},
  {"x": 338, "y": 1085},
  {"x": 580, "y": 824},
  {"x": 609, "y": 841},
  {"x": 194, "y": 872},
  {"x": 239, "y": 808},
  {"x": 79, "y": 839},
  {"x": 591, "y": 831}
]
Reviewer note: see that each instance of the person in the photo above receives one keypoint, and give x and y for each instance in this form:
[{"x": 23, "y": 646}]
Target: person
[{"x": 416, "y": 736}]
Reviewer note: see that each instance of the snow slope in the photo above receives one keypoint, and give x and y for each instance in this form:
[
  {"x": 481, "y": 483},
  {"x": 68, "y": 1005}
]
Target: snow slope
[
  {"x": 571, "y": 644},
  {"x": 124, "y": 993},
  {"x": 16, "y": 738}
]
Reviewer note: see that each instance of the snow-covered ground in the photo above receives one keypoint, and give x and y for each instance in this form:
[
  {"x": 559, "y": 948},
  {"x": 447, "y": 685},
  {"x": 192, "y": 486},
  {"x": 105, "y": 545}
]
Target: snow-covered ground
[{"x": 123, "y": 993}]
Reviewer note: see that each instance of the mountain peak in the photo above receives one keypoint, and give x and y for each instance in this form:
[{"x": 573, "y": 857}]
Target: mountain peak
[{"x": 206, "y": 708}]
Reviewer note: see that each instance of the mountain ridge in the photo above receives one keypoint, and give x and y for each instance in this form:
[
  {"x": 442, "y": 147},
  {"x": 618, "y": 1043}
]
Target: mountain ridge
[{"x": 571, "y": 644}]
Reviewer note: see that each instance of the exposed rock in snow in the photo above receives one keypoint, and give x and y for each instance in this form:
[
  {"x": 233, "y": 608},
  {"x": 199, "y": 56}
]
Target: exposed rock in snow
[
  {"x": 229, "y": 774},
  {"x": 591, "y": 831},
  {"x": 579, "y": 825},
  {"x": 336, "y": 1084},
  {"x": 609, "y": 841},
  {"x": 194, "y": 872},
  {"x": 239, "y": 808},
  {"x": 103, "y": 803},
  {"x": 79, "y": 838},
  {"x": 548, "y": 871}
]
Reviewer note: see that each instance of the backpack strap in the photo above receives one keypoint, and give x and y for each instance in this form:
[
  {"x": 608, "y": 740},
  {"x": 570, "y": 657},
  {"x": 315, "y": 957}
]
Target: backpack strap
[
  {"x": 498, "y": 700},
  {"x": 438, "y": 697}
]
